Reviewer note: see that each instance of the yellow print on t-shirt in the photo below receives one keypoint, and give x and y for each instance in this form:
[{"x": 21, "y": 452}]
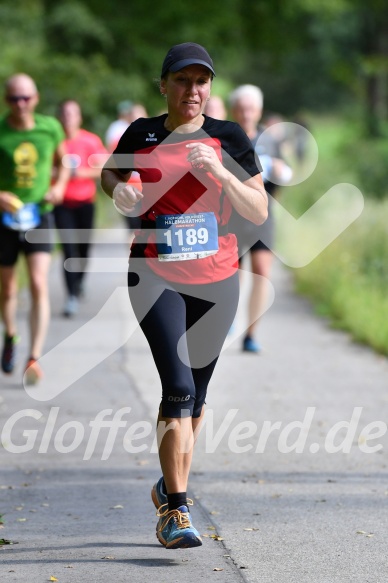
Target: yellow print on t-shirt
[{"x": 25, "y": 157}]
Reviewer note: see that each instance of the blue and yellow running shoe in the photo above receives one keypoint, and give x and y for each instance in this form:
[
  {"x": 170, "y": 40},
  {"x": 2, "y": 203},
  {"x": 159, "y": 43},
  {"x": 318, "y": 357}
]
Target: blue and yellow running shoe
[
  {"x": 174, "y": 529},
  {"x": 159, "y": 494}
]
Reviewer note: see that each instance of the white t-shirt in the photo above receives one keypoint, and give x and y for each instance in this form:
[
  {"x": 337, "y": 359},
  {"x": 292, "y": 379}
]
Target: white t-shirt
[{"x": 114, "y": 133}]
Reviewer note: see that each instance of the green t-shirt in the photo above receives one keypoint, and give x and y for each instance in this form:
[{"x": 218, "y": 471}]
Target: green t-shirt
[{"x": 26, "y": 158}]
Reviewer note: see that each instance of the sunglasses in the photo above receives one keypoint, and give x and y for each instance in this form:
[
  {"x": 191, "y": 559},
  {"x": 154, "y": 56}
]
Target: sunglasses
[{"x": 17, "y": 98}]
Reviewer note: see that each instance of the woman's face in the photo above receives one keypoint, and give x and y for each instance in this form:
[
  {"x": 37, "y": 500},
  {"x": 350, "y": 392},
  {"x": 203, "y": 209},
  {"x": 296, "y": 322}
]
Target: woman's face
[
  {"x": 187, "y": 91},
  {"x": 71, "y": 117}
]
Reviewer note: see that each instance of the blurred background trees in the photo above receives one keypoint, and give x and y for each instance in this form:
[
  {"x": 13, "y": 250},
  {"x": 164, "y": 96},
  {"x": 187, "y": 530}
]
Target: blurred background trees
[{"x": 308, "y": 54}]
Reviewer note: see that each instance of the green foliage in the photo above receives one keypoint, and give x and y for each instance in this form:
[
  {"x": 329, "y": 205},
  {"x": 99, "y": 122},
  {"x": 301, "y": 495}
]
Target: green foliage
[
  {"x": 71, "y": 26},
  {"x": 348, "y": 281},
  {"x": 98, "y": 93},
  {"x": 303, "y": 54},
  {"x": 22, "y": 36},
  {"x": 369, "y": 158}
]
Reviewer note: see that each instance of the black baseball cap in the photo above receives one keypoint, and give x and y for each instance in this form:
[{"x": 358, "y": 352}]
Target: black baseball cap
[{"x": 185, "y": 54}]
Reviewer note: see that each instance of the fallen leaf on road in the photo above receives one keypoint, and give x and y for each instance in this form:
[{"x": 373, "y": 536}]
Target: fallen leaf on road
[
  {"x": 21, "y": 519},
  {"x": 53, "y": 578},
  {"x": 361, "y": 532},
  {"x": 216, "y": 537},
  {"x": 211, "y": 528},
  {"x": 117, "y": 506},
  {"x": 217, "y": 569},
  {"x": 214, "y": 512},
  {"x": 370, "y": 535},
  {"x": 275, "y": 496},
  {"x": 4, "y": 541}
]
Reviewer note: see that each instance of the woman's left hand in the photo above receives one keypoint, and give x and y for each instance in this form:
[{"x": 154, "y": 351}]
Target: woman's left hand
[{"x": 204, "y": 158}]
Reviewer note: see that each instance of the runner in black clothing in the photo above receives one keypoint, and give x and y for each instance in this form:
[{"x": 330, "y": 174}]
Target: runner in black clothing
[{"x": 183, "y": 280}]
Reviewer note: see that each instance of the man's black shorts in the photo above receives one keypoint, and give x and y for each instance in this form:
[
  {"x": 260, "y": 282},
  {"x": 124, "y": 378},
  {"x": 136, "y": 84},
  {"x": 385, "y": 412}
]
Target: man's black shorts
[{"x": 13, "y": 242}]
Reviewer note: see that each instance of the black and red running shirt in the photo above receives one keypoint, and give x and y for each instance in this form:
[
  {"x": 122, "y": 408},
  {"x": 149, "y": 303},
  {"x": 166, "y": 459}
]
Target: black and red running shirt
[{"x": 172, "y": 186}]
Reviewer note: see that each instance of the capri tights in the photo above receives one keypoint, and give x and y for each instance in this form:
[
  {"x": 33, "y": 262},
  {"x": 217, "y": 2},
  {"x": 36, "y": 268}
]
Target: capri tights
[{"x": 185, "y": 326}]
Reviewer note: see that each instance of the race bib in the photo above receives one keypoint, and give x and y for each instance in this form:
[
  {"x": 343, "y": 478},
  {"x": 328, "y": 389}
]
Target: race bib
[
  {"x": 26, "y": 218},
  {"x": 187, "y": 236}
]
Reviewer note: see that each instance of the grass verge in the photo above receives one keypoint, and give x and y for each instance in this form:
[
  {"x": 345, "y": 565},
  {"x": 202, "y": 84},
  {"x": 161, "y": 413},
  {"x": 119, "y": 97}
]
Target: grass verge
[{"x": 348, "y": 281}]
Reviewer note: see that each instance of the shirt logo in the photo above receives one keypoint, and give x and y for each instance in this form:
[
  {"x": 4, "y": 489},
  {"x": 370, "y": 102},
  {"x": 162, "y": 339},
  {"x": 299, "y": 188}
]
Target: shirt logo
[
  {"x": 151, "y": 138},
  {"x": 25, "y": 157}
]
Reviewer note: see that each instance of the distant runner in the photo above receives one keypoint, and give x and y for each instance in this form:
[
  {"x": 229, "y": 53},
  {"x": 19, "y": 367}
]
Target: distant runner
[
  {"x": 30, "y": 143},
  {"x": 77, "y": 209}
]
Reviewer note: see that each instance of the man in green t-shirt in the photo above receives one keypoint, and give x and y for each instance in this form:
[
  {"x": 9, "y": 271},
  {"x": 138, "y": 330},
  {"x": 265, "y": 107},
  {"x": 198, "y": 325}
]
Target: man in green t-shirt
[{"x": 32, "y": 180}]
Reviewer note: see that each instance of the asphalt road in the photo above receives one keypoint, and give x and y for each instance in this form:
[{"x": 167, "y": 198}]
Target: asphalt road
[{"x": 287, "y": 506}]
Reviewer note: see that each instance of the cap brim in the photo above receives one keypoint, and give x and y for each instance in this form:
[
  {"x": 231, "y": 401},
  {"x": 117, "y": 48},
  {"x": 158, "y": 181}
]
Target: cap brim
[{"x": 186, "y": 62}]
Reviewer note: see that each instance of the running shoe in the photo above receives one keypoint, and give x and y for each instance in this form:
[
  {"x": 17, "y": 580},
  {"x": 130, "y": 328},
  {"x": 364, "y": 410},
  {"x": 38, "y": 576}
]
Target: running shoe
[
  {"x": 32, "y": 373},
  {"x": 8, "y": 355},
  {"x": 71, "y": 307},
  {"x": 250, "y": 345},
  {"x": 174, "y": 529},
  {"x": 158, "y": 494}
]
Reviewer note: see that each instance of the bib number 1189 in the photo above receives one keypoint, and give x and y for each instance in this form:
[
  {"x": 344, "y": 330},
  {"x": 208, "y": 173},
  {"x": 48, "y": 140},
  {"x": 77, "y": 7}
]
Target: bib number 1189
[{"x": 187, "y": 236}]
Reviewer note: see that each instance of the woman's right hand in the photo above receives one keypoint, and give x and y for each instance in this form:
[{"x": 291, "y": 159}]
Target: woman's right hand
[{"x": 125, "y": 197}]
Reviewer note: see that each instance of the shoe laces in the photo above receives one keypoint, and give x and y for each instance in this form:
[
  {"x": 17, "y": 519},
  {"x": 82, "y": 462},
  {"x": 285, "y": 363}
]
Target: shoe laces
[{"x": 181, "y": 519}]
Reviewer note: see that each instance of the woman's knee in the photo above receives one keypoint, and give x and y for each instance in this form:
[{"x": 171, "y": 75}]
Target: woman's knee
[
  {"x": 178, "y": 400},
  {"x": 38, "y": 286}
]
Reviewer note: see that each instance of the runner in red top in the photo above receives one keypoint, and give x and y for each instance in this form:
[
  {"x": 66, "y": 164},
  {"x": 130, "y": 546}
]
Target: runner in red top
[
  {"x": 77, "y": 210},
  {"x": 183, "y": 280}
]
